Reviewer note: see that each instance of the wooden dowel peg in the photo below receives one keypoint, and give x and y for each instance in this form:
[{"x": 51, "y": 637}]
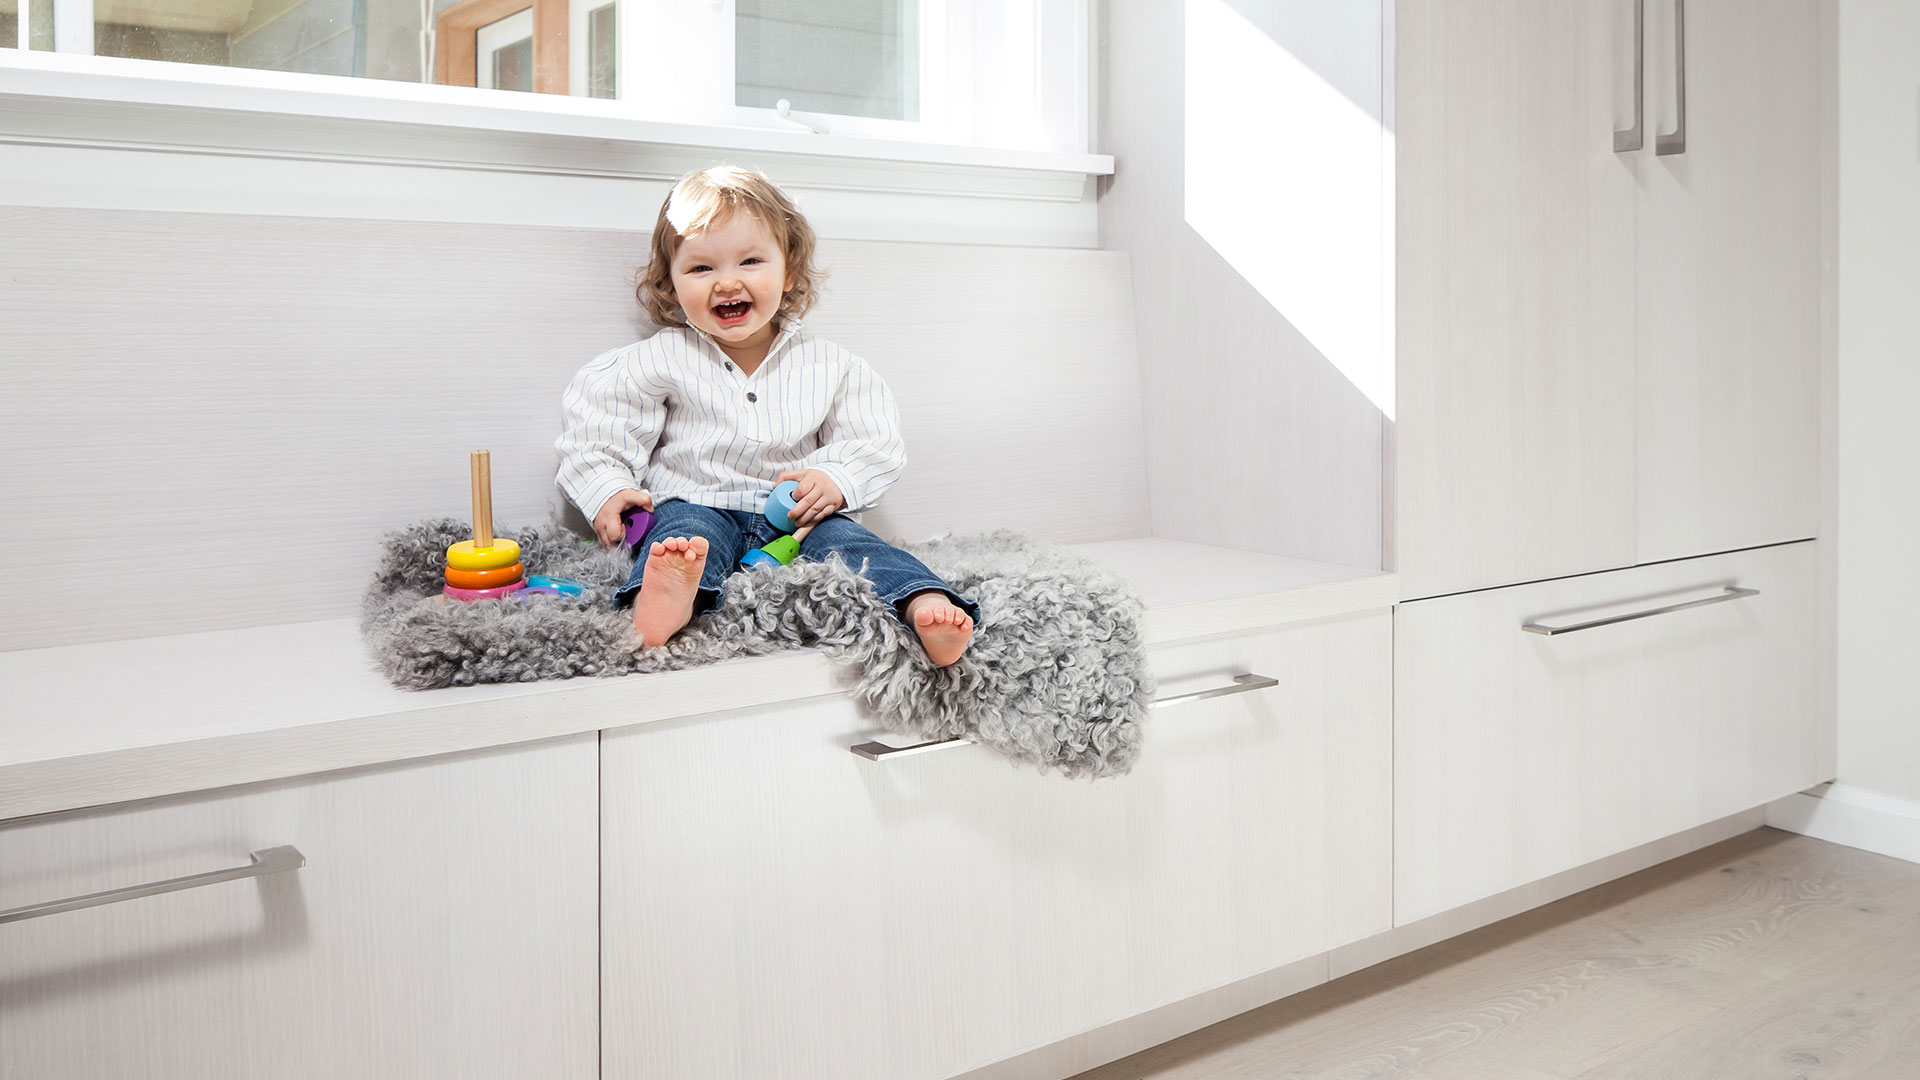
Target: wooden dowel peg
[{"x": 482, "y": 468}]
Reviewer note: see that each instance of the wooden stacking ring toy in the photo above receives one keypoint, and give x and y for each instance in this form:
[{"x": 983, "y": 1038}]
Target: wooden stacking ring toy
[
  {"x": 484, "y": 579},
  {"x": 483, "y": 568},
  {"x": 470, "y": 595}
]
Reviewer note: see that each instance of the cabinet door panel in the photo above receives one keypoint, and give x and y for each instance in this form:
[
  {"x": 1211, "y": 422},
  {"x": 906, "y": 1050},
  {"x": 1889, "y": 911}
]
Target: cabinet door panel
[
  {"x": 775, "y": 906},
  {"x": 442, "y": 926},
  {"x": 1515, "y": 426},
  {"x": 1518, "y": 755},
  {"x": 1729, "y": 282}
]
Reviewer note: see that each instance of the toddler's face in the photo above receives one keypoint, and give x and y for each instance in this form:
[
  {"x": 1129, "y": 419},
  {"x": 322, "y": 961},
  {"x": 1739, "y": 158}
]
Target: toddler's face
[{"x": 729, "y": 279}]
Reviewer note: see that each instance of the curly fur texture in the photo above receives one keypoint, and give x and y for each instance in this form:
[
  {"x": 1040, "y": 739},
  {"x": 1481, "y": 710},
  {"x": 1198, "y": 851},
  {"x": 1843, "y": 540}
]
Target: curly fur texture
[{"x": 1056, "y": 674}]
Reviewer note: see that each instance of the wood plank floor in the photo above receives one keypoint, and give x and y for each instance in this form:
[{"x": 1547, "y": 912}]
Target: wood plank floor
[{"x": 1768, "y": 956}]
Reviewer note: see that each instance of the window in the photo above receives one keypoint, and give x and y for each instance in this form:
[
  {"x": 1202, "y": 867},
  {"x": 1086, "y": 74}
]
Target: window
[
  {"x": 844, "y": 59},
  {"x": 952, "y": 121},
  {"x": 1006, "y": 73},
  {"x": 601, "y": 58},
  {"x": 23, "y": 20},
  {"x": 490, "y": 44},
  {"x": 994, "y": 73},
  {"x": 505, "y": 53}
]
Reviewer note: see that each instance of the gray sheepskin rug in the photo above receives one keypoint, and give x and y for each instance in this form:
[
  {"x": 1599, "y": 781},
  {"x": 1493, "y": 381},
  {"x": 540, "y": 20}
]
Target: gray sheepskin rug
[{"x": 1056, "y": 675}]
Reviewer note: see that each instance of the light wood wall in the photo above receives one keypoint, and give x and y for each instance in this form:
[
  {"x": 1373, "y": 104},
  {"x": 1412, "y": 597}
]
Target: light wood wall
[
  {"x": 208, "y": 421},
  {"x": 1256, "y": 439}
]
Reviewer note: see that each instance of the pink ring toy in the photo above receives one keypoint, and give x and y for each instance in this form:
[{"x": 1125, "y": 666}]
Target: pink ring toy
[{"x": 470, "y": 595}]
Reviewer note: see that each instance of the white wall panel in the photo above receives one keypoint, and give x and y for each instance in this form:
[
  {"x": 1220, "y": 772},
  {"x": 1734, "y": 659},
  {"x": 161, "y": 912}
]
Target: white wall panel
[
  {"x": 208, "y": 421},
  {"x": 1255, "y": 222},
  {"x": 1879, "y": 468}
]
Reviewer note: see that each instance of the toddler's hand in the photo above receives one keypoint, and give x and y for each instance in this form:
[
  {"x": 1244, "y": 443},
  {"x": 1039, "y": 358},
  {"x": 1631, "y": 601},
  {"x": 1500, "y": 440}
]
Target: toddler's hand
[
  {"x": 815, "y": 497},
  {"x": 607, "y": 524}
]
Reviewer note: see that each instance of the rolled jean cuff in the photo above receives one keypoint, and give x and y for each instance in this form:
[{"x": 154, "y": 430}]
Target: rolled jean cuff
[
  {"x": 899, "y": 597},
  {"x": 704, "y": 600}
]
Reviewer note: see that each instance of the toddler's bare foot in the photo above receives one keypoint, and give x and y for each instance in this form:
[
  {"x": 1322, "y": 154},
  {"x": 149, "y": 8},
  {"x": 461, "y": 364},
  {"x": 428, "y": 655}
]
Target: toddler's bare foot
[
  {"x": 669, "y": 587},
  {"x": 943, "y": 627}
]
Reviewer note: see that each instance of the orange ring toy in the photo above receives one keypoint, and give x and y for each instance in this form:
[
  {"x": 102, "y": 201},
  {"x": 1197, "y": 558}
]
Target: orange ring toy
[{"x": 484, "y": 579}]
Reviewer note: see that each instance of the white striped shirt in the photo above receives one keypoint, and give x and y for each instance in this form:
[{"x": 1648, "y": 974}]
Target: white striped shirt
[{"x": 675, "y": 417}]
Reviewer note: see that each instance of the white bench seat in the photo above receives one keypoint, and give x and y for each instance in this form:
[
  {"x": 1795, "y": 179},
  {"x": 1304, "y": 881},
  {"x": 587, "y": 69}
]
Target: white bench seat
[{"x": 115, "y": 721}]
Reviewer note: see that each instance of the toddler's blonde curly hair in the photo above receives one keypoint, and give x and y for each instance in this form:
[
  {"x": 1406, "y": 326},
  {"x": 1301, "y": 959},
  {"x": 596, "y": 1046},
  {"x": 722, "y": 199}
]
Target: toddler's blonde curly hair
[{"x": 712, "y": 195}]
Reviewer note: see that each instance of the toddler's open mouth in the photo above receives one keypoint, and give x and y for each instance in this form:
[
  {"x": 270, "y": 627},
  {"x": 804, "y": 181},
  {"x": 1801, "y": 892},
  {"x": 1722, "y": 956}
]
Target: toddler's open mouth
[{"x": 732, "y": 311}]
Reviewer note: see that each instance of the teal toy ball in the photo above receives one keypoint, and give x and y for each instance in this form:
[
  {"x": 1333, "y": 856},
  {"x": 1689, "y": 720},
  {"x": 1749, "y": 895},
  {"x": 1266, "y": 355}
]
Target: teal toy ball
[{"x": 780, "y": 504}]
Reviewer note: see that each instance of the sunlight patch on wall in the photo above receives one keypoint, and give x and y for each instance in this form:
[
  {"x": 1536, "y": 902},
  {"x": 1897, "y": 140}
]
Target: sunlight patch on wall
[{"x": 1286, "y": 180}]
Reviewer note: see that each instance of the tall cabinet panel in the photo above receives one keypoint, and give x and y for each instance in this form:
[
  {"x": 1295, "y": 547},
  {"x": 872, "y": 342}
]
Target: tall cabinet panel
[
  {"x": 1515, "y": 284},
  {"x": 1729, "y": 279}
]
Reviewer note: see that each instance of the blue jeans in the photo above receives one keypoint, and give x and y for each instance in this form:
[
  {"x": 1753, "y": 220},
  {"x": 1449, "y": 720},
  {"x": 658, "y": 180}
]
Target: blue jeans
[{"x": 730, "y": 534}]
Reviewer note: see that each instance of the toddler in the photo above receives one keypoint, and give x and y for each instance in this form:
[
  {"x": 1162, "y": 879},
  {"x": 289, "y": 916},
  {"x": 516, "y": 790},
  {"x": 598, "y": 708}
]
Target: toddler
[{"x": 700, "y": 421}]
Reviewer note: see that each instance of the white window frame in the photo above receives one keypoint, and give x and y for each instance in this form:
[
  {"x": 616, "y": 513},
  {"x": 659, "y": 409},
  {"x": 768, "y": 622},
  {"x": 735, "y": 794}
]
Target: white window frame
[
  {"x": 493, "y": 37},
  {"x": 1003, "y": 73},
  {"x": 72, "y": 25},
  {"x": 579, "y": 36},
  {"x": 112, "y": 133}
]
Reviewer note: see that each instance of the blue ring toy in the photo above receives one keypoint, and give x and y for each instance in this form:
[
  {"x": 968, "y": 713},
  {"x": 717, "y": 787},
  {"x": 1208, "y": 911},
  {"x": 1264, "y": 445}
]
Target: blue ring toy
[
  {"x": 780, "y": 504},
  {"x": 756, "y": 557},
  {"x": 559, "y": 586}
]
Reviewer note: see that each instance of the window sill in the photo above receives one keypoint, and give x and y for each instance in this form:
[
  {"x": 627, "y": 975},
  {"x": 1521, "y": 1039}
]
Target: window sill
[{"x": 59, "y": 114}]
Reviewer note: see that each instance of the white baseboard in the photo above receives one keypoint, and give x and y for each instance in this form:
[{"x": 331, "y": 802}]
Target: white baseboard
[
  {"x": 1852, "y": 816},
  {"x": 1073, "y": 1056}
]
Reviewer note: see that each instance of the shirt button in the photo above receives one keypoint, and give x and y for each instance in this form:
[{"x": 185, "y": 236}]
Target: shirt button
[
  {"x": 729, "y": 367},
  {"x": 750, "y": 396}
]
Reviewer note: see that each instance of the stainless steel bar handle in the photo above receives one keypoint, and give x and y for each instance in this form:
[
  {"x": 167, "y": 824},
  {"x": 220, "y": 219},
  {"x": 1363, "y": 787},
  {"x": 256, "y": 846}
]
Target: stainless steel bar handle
[
  {"x": 879, "y": 751},
  {"x": 1675, "y": 141},
  {"x": 1732, "y": 593},
  {"x": 1633, "y": 138},
  {"x": 270, "y": 861}
]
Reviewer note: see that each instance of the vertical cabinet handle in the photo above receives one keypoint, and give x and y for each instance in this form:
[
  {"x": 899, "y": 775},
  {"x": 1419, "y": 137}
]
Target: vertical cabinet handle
[
  {"x": 1675, "y": 141},
  {"x": 269, "y": 861},
  {"x": 1632, "y": 138}
]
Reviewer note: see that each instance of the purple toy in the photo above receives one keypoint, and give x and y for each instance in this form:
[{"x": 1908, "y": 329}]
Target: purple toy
[{"x": 638, "y": 522}]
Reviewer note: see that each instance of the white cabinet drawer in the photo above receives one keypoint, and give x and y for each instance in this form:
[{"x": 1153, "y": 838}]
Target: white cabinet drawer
[
  {"x": 443, "y": 926},
  {"x": 775, "y": 906},
  {"x": 1519, "y": 755}
]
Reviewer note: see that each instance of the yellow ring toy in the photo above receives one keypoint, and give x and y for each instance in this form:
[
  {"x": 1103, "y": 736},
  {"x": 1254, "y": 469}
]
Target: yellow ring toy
[
  {"x": 484, "y": 579},
  {"x": 465, "y": 556}
]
